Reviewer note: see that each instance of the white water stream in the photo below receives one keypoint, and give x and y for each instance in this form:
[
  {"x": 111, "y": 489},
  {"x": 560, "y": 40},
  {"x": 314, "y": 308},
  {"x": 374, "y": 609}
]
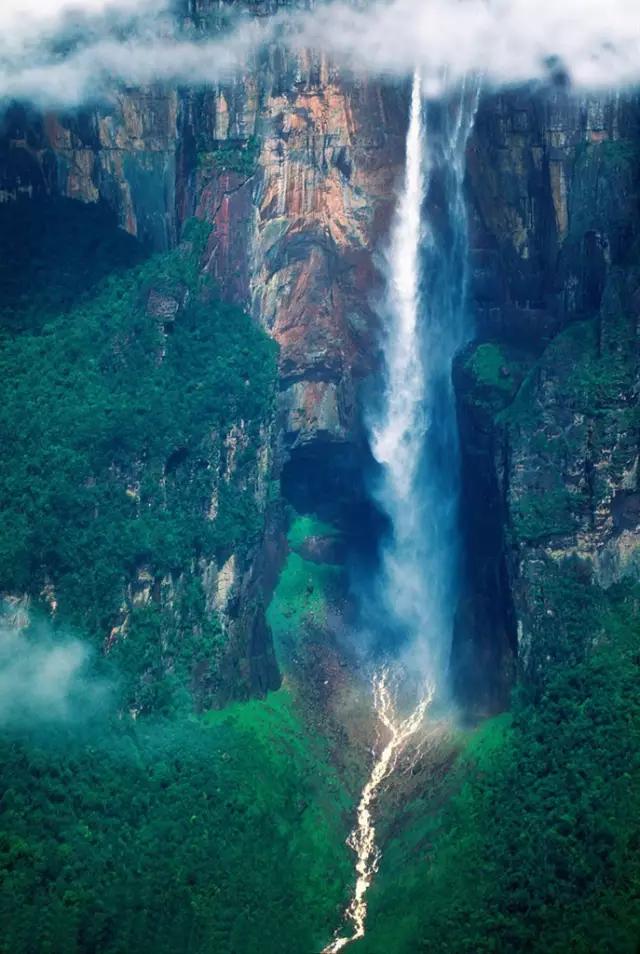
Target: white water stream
[{"x": 363, "y": 837}]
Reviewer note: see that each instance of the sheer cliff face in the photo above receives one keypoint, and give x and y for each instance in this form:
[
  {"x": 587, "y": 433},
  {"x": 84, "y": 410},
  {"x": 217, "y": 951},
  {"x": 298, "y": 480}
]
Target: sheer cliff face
[
  {"x": 554, "y": 194},
  {"x": 293, "y": 165},
  {"x": 327, "y": 156},
  {"x": 329, "y": 160},
  {"x": 549, "y": 403}
]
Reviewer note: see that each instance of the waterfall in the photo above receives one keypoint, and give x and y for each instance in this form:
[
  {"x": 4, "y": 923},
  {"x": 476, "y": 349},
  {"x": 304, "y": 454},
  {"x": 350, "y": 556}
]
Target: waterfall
[
  {"x": 414, "y": 432},
  {"x": 414, "y": 439}
]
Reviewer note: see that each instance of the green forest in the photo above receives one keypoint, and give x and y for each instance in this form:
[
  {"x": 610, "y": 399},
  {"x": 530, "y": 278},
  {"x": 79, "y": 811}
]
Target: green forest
[
  {"x": 112, "y": 426},
  {"x": 531, "y": 843},
  {"x": 175, "y": 831},
  {"x": 219, "y": 834},
  {"x": 152, "y": 799}
]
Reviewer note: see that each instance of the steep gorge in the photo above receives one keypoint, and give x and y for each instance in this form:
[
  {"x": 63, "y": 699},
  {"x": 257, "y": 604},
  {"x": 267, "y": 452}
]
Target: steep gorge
[{"x": 293, "y": 171}]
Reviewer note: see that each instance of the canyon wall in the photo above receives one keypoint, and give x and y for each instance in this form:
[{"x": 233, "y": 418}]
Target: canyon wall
[
  {"x": 549, "y": 394},
  {"x": 294, "y": 166}
]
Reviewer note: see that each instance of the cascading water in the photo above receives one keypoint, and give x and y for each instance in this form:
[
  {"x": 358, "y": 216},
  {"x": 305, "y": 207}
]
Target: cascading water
[
  {"x": 414, "y": 434},
  {"x": 414, "y": 439},
  {"x": 398, "y": 435},
  {"x": 363, "y": 837}
]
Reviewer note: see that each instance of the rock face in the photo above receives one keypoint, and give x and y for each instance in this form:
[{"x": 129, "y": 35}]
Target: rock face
[
  {"x": 126, "y": 156},
  {"x": 328, "y": 163},
  {"x": 553, "y": 189},
  {"x": 294, "y": 165},
  {"x": 549, "y": 400}
]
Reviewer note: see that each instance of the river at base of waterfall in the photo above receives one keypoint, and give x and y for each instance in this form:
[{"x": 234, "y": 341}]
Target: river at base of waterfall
[{"x": 362, "y": 840}]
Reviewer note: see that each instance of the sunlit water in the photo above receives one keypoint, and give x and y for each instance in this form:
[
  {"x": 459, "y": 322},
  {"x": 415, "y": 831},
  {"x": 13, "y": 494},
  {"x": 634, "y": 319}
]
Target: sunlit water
[{"x": 363, "y": 837}]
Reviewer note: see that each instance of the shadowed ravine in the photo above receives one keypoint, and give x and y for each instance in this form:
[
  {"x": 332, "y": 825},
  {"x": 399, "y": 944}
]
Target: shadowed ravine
[{"x": 414, "y": 440}]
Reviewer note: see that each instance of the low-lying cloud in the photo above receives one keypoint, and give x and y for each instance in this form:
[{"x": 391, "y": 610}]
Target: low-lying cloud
[
  {"x": 61, "y": 53},
  {"x": 43, "y": 680},
  {"x": 596, "y": 43}
]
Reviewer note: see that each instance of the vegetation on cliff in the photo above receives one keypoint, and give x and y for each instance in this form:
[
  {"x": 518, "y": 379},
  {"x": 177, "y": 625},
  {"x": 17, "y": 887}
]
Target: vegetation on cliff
[
  {"x": 305, "y": 589},
  {"x": 239, "y": 156},
  {"x": 133, "y": 413},
  {"x": 131, "y": 409},
  {"x": 493, "y": 373},
  {"x": 531, "y": 844}
]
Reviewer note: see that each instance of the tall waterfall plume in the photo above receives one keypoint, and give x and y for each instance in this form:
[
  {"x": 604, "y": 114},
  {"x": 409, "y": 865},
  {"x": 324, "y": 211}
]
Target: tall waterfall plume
[
  {"x": 413, "y": 438},
  {"x": 414, "y": 432}
]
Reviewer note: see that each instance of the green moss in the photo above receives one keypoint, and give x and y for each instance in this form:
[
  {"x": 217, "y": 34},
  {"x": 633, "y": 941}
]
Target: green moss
[
  {"x": 494, "y": 372},
  {"x": 496, "y": 366},
  {"x": 304, "y": 527},
  {"x": 301, "y": 600},
  {"x": 543, "y": 514},
  {"x": 276, "y": 724}
]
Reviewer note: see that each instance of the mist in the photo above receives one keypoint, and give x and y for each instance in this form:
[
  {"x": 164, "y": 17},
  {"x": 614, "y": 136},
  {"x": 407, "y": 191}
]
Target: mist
[
  {"x": 57, "y": 53},
  {"x": 46, "y": 680},
  {"x": 507, "y": 41}
]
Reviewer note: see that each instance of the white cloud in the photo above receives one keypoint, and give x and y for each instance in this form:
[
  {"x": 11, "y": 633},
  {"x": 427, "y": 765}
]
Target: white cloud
[
  {"x": 64, "y": 53},
  {"x": 45, "y": 680},
  {"x": 24, "y": 24},
  {"x": 597, "y": 42},
  {"x": 15, "y": 11}
]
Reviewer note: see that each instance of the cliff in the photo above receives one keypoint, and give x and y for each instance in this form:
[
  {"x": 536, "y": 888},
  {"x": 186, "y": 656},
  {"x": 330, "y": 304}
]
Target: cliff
[
  {"x": 293, "y": 166},
  {"x": 549, "y": 394}
]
